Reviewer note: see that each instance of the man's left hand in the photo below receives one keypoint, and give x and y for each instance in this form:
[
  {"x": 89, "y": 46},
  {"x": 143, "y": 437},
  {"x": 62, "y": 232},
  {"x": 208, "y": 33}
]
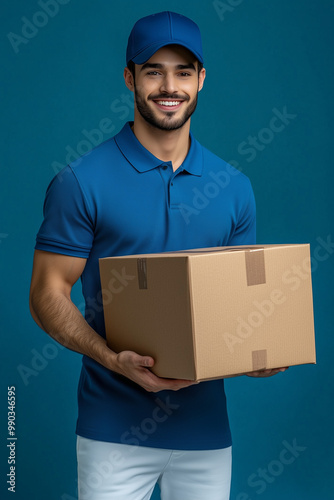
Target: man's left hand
[{"x": 266, "y": 373}]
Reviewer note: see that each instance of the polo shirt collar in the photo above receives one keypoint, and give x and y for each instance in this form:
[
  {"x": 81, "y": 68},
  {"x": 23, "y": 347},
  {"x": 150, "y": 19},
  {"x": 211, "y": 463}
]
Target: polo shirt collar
[{"x": 142, "y": 160}]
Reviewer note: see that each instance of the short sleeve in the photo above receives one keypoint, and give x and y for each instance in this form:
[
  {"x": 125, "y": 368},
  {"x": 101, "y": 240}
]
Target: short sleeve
[
  {"x": 67, "y": 227},
  {"x": 245, "y": 231}
]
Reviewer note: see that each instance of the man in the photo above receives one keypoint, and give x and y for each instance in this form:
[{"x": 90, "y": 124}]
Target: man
[{"x": 142, "y": 192}]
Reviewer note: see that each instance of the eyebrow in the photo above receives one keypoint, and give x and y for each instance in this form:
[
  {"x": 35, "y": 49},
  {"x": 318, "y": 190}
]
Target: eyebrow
[{"x": 161, "y": 66}]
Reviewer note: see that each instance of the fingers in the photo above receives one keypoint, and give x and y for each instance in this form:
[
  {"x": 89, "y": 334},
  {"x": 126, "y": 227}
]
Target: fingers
[
  {"x": 151, "y": 383},
  {"x": 130, "y": 358},
  {"x": 266, "y": 373},
  {"x": 174, "y": 385},
  {"x": 137, "y": 368},
  {"x": 146, "y": 361}
]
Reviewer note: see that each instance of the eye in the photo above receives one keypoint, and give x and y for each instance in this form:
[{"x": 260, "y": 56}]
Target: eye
[
  {"x": 153, "y": 73},
  {"x": 184, "y": 73}
]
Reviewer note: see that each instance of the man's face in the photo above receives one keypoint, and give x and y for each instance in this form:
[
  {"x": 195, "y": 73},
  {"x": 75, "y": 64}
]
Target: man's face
[{"x": 166, "y": 87}]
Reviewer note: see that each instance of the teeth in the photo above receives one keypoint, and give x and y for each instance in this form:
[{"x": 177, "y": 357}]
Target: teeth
[{"x": 168, "y": 103}]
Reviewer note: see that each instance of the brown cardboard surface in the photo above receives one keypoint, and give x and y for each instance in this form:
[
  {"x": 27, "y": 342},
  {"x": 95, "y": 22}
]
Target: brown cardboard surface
[
  {"x": 213, "y": 312},
  {"x": 145, "y": 320}
]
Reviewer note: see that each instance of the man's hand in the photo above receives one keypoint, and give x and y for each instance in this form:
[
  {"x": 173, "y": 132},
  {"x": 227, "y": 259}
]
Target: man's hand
[
  {"x": 137, "y": 368},
  {"x": 266, "y": 373}
]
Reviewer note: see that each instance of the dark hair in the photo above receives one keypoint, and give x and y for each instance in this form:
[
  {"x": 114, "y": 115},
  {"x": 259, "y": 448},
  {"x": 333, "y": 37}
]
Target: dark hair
[
  {"x": 131, "y": 67},
  {"x": 200, "y": 66}
]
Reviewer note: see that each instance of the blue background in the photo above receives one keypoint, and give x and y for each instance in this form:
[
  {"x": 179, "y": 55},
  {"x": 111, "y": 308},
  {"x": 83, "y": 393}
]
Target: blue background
[{"x": 260, "y": 56}]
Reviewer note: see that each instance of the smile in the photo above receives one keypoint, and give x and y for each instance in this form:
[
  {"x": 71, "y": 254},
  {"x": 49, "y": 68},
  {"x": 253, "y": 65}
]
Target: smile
[{"x": 168, "y": 104}]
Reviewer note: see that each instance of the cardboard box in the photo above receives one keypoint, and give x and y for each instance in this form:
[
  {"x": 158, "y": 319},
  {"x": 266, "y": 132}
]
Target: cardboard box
[{"x": 214, "y": 312}]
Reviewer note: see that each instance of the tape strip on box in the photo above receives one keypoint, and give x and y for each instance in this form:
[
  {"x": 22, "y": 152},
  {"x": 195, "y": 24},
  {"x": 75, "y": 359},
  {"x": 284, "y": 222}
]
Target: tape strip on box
[
  {"x": 255, "y": 267},
  {"x": 259, "y": 359},
  {"x": 142, "y": 273}
]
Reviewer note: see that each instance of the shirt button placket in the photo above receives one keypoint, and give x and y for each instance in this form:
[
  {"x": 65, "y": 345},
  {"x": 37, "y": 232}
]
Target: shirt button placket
[
  {"x": 165, "y": 174},
  {"x": 173, "y": 201}
]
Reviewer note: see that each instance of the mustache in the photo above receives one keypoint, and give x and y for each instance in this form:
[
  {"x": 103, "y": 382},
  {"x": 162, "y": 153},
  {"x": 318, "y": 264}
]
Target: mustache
[{"x": 162, "y": 97}]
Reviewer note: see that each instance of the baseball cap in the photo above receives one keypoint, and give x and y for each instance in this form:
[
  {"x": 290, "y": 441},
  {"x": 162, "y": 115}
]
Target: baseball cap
[{"x": 152, "y": 32}]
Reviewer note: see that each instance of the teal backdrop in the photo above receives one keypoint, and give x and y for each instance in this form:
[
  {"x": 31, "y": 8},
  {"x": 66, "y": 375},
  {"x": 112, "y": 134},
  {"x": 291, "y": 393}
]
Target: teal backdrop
[{"x": 63, "y": 93}]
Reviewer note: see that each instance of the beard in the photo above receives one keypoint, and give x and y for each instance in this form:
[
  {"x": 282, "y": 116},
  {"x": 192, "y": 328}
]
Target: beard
[{"x": 168, "y": 122}]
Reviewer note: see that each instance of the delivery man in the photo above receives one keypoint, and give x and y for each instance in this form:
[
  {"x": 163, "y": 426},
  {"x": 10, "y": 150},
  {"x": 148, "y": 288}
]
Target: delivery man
[{"x": 151, "y": 188}]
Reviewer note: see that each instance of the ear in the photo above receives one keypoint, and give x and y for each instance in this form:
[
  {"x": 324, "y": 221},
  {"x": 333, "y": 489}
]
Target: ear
[
  {"x": 128, "y": 78},
  {"x": 201, "y": 78}
]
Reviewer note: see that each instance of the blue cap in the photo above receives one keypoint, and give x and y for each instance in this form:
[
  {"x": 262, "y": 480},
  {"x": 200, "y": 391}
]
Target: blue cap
[{"x": 151, "y": 33}]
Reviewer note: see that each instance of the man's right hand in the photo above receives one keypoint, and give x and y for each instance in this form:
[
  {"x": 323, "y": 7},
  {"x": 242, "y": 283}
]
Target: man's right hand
[{"x": 137, "y": 368}]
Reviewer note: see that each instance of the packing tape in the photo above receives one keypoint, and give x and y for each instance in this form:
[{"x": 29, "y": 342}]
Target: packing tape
[
  {"x": 255, "y": 267},
  {"x": 142, "y": 274},
  {"x": 259, "y": 359},
  {"x": 240, "y": 248}
]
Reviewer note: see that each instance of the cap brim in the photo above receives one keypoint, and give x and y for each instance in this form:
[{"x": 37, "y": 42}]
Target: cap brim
[{"x": 146, "y": 54}]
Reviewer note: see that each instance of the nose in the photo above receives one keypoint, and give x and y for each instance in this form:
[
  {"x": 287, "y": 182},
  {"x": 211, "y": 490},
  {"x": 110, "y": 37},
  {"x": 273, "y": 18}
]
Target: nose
[{"x": 169, "y": 84}]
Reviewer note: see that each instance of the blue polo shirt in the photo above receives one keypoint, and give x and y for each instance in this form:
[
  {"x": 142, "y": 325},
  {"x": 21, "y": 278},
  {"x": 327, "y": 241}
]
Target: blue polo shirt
[{"x": 119, "y": 199}]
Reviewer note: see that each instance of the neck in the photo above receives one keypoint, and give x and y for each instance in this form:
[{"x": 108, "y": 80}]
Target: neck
[{"x": 167, "y": 145}]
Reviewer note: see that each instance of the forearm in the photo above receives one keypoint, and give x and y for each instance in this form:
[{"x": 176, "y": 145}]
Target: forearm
[{"x": 57, "y": 315}]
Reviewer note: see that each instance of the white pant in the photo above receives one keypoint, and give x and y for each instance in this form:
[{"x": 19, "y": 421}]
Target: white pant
[{"x": 110, "y": 471}]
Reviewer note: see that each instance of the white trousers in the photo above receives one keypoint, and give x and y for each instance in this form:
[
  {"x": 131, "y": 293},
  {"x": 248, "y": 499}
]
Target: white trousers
[{"x": 111, "y": 471}]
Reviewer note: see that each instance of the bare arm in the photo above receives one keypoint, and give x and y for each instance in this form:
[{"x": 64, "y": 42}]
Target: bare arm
[{"x": 53, "y": 310}]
